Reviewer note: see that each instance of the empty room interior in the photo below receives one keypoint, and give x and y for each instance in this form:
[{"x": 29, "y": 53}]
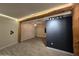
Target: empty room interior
[{"x": 39, "y": 29}]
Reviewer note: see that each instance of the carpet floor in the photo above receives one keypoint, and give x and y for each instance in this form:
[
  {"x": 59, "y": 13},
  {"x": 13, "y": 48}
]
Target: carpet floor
[{"x": 31, "y": 47}]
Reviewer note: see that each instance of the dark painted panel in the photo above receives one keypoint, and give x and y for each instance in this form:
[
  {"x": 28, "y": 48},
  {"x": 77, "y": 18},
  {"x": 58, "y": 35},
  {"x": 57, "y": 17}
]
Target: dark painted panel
[{"x": 59, "y": 33}]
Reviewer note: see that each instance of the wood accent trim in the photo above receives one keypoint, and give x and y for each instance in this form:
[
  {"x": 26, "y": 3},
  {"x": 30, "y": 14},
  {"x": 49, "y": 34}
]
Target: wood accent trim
[
  {"x": 61, "y": 10},
  {"x": 76, "y": 29},
  {"x": 19, "y": 33}
]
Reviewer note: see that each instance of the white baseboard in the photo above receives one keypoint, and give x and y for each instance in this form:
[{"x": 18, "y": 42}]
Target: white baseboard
[
  {"x": 12, "y": 43},
  {"x": 61, "y": 51}
]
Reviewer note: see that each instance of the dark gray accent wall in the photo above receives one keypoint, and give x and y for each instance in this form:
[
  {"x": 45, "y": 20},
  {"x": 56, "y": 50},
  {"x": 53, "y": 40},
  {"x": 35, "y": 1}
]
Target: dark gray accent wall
[{"x": 59, "y": 33}]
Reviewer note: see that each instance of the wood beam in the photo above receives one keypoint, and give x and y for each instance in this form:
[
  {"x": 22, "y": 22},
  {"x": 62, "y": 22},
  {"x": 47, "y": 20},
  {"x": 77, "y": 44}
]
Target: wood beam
[
  {"x": 53, "y": 11},
  {"x": 19, "y": 33},
  {"x": 76, "y": 29}
]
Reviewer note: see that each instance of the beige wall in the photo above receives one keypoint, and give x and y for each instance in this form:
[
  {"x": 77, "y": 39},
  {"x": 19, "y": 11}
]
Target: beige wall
[
  {"x": 6, "y": 25},
  {"x": 40, "y": 30},
  {"x": 27, "y": 31}
]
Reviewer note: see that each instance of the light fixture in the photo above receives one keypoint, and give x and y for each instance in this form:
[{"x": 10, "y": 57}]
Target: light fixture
[{"x": 35, "y": 25}]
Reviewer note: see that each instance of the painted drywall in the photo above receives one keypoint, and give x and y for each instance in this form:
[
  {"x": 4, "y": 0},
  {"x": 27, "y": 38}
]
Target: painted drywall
[
  {"x": 40, "y": 30},
  {"x": 27, "y": 31},
  {"x": 7, "y": 25}
]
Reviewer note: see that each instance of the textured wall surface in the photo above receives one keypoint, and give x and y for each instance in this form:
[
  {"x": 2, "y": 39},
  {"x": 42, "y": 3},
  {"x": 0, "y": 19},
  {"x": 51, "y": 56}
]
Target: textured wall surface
[
  {"x": 76, "y": 30},
  {"x": 41, "y": 30},
  {"x": 7, "y": 25},
  {"x": 27, "y": 31}
]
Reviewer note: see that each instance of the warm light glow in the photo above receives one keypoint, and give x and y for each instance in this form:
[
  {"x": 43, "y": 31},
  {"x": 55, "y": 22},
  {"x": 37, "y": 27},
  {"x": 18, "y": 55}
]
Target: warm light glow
[
  {"x": 45, "y": 12},
  {"x": 8, "y": 17},
  {"x": 35, "y": 25}
]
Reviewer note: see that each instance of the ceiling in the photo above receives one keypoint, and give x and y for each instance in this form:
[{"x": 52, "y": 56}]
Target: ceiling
[{"x": 19, "y": 10}]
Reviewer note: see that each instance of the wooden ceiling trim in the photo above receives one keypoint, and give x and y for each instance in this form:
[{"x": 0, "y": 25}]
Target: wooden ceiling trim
[{"x": 53, "y": 12}]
